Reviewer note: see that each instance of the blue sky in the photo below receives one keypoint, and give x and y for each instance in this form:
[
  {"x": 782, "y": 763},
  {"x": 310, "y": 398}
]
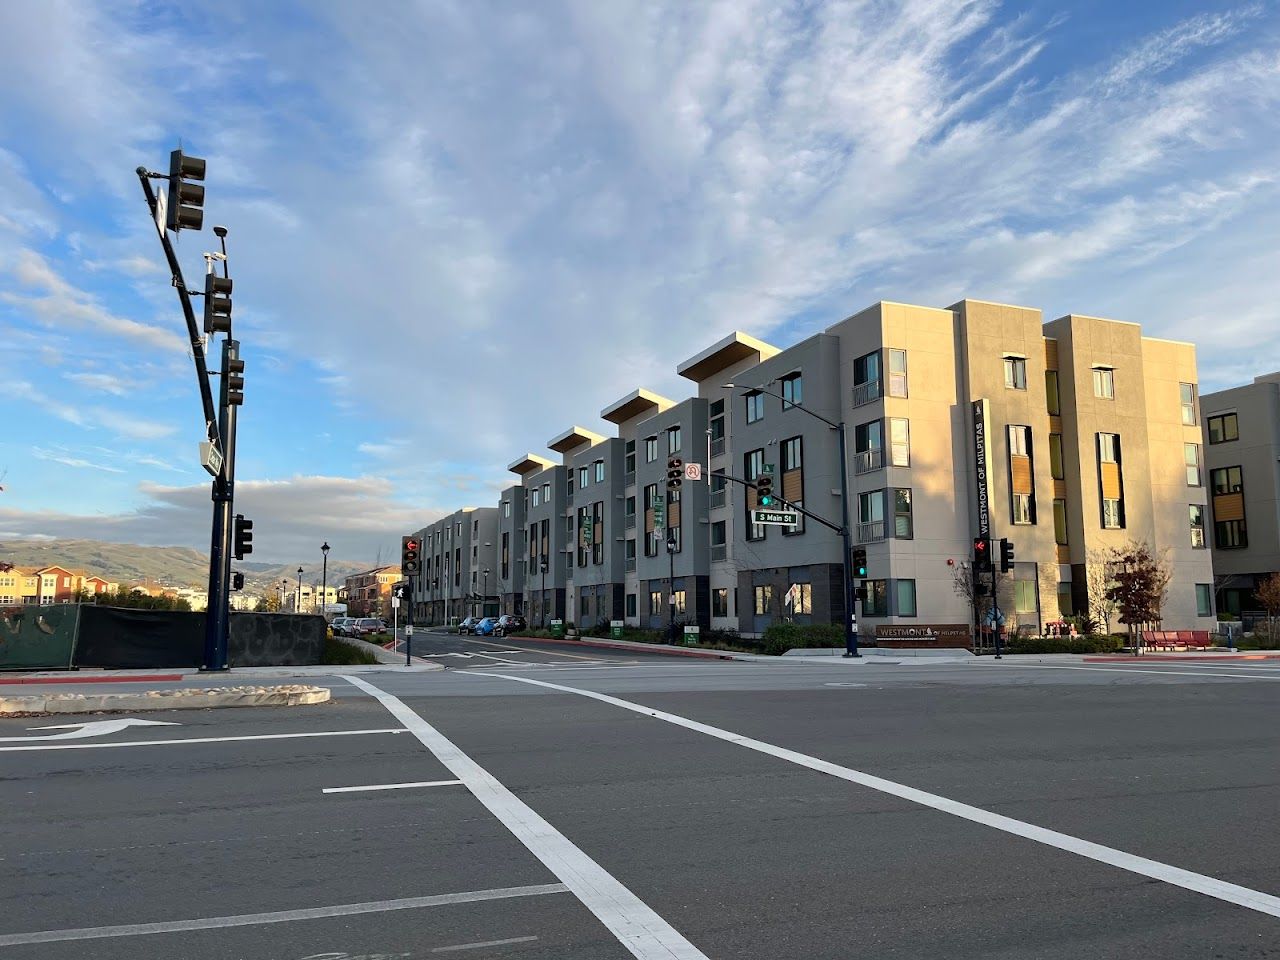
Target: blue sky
[{"x": 456, "y": 228}]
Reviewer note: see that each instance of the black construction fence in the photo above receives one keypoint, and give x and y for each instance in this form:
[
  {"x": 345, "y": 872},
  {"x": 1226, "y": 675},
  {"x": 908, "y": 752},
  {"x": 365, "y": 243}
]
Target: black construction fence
[{"x": 65, "y": 636}]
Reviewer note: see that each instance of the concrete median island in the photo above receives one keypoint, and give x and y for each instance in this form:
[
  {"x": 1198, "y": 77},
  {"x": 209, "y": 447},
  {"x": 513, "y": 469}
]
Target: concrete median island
[{"x": 287, "y": 695}]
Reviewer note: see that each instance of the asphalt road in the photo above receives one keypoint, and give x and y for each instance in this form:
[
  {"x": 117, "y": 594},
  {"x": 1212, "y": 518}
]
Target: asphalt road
[
  {"x": 453, "y": 650},
  {"x": 703, "y": 809}
]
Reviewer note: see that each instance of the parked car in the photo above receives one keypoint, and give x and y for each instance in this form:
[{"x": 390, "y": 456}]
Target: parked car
[
  {"x": 484, "y": 627},
  {"x": 365, "y": 626},
  {"x": 510, "y": 623},
  {"x": 467, "y": 625},
  {"x": 340, "y": 625}
]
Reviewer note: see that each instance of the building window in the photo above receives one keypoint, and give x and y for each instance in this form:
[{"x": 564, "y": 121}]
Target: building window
[
  {"x": 871, "y": 516},
  {"x": 720, "y": 602},
  {"x": 1052, "y": 397},
  {"x": 1060, "y": 522},
  {"x": 1021, "y": 474},
  {"x": 1104, "y": 383},
  {"x": 1024, "y": 596},
  {"x": 1055, "y": 457},
  {"x": 655, "y": 603},
  {"x": 674, "y": 442},
  {"x": 1223, "y": 428},
  {"x": 799, "y": 598},
  {"x": 755, "y": 406},
  {"x": 1111, "y": 514},
  {"x": 1197, "y": 525},
  {"x": 677, "y": 602},
  {"x": 764, "y": 599},
  {"x": 717, "y": 408},
  {"x": 1230, "y": 535},
  {"x": 1204, "y": 600},
  {"x": 1015, "y": 373},
  {"x": 899, "y": 441},
  {"x": 1110, "y": 482},
  {"x": 877, "y": 602},
  {"x": 631, "y": 604},
  {"x": 599, "y": 471},
  {"x": 630, "y": 508},
  {"x": 584, "y": 475},
  {"x": 753, "y": 465},
  {"x": 1187, "y": 396},
  {"x": 629, "y": 460},
  {"x": 792, "y": 454},
  {"x": 1191, "y": 455},
  {"x": 1225, "y": 480},
  {"x": 629, "y": 550},
  {"x": 650, "y": 449},
  {"x": 652, "y": 532},
  {"x": 546, "y": 492},
  {"x": 904, "y": 599},
  {"x": 897, "y": 373},
  {"x": 1022, "y": 508},
  {"x": 866, "y": 379},
  {"x": 792, "y": 391},
  {"x": 582, "y": 604},
  {"x": 537, "y": 496},
  {"x": 719, "y": 530},
  {"x": 506, "y": 508},
  {"x": 902, "y": 525}
]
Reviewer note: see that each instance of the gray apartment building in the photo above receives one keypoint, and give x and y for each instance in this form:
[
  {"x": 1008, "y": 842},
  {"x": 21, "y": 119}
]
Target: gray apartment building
[
  {"x": 1241, "y": 428},
  {"x": 1089, "y": 441},
  {"x": 458, "y": 567}
]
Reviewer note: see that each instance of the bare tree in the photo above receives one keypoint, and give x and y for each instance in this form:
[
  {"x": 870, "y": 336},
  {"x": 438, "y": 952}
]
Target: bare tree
[
  {"x": 1268, "y": 593},
  {"x": 1098, "y": 580}
]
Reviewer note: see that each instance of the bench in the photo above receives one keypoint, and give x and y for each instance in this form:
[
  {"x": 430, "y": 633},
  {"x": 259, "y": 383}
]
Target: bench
[{"x": 1173, "y": 639}]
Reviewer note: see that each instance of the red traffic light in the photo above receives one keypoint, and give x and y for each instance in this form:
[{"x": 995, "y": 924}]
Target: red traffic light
[
  {"x": 411, "y": 544},
  {"x": 979, "y": 545}
]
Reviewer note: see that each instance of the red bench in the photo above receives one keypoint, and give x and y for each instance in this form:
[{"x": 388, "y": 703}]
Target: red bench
[{"x": 1173, "y": 639}]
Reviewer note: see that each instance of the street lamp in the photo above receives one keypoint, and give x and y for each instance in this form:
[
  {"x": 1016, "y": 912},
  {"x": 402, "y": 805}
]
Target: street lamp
[
  {"x": 484, "y": 601},
  {"x": 324, "y": 580},
  {"x": 297, "y": 606},
  {"x": 284, "y": 587},
  {"x": 846, "y": 540}
]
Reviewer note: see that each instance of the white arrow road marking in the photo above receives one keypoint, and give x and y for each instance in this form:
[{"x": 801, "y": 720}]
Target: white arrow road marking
[{"x": 90, "y": 728}]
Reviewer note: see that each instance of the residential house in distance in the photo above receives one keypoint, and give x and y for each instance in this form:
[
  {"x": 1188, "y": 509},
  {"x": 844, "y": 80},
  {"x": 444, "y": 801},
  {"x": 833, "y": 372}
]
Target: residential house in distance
[{"x": 368, "y": 593}]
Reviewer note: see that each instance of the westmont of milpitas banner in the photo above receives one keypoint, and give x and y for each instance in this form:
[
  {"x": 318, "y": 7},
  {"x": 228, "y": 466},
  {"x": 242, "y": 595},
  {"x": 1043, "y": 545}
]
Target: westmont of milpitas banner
[{"x": 65, "y": 636}]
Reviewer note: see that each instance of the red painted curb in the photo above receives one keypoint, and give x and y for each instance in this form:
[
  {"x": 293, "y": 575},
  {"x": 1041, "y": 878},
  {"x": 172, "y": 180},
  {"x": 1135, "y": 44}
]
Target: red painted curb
[
  {"x": 606, "y": 645},
  {"x": 1156, "y": 656},
  {"x": 140, "y": 678}
]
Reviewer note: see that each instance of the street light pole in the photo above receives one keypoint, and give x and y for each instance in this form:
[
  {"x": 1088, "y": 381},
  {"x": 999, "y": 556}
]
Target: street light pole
[
  {"x": 484, "y": 600},
  {"x": 297, "y": 606},
  {"x": 324, "y": 580},
  {"x": 846, "y": 538},
  {"x": 671, "y": 591}
]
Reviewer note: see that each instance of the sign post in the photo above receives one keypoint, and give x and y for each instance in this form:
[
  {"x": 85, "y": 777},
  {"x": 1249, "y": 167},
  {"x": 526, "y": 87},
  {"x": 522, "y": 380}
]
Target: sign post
[{"x": 615, "y": 629}]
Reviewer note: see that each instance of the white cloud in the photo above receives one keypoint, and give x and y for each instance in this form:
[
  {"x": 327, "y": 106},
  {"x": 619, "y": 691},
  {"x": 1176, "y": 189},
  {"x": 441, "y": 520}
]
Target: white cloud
[{"x": 98, "y": 381}]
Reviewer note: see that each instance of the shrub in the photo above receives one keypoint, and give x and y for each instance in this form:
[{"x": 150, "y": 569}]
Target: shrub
[
  {"x": 1094, "y": 643},
  {"x": 781, "y": 637},
  {"x": 338, "y": 652}
]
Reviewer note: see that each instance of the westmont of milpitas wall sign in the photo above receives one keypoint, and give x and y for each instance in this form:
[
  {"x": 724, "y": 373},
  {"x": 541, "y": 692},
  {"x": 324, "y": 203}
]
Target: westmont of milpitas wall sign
[{"x": 922, "y": 634}]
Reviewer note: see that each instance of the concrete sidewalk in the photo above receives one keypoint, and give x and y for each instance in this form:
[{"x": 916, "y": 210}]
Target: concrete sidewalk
[{"x": 702, "y": 653}]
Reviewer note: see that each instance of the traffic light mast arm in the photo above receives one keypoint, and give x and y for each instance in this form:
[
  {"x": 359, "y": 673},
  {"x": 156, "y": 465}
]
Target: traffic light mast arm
[
  {"x": 197, "y": 342},
  {"x": 786, "y": 503}
]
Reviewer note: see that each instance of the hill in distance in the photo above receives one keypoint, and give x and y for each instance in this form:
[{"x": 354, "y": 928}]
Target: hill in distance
[{"x": 168, "y": 566}]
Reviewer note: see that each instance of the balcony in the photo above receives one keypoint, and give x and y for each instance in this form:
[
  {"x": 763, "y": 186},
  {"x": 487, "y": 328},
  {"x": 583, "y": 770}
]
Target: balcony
[
  {"x": 719, "y": 551},
  {"x": 631, "y": 522},
  {"x": 872, "y": 532},
  {"x": 631, "y": 564},
  {"x": 717, "y": 447},
  {"x": 629, "y": 478},
  {"x": 864, "y": 393},
  {"x": 864, "y": 461},
  {"x": 717, "y": 498}
]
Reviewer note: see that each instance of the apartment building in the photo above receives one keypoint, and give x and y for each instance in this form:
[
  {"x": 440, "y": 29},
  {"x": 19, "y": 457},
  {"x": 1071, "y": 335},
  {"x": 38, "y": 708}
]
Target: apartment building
[
  {"x": 459, "y": 576},
  {"x": 368, "y": 593},
  {"x": 1069, "y": 438},
  {"x": 512, "y": 548},
  {"x": 1241, "y": 430}
]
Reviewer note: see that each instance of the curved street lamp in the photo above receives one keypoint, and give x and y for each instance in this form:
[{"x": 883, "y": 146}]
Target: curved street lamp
[
  {"x": 324, "y": 580},
  {"x": 297, "y": 606}
]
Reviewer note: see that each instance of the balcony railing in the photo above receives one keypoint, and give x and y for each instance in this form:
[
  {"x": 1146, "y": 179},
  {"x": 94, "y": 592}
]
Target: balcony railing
[
  {"x": 864, "y": 461},
  {"x": 872, "y": 532},
  {"x": 717, "y": 446},
  {"x": 717, "y": 498},
  {"x": 864, "y": 393},
  {"x": 629, "y": 478},
  {"x": 719, "y": 551},
  {"x": 631, "y": 564},
  {"x": 631, "y": 522}
]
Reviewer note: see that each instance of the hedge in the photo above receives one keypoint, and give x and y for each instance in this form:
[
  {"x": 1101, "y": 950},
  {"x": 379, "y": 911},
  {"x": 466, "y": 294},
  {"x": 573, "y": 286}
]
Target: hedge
[
  {"x": 781, "y": 637},
  {"x": 1095, "y": 643}
]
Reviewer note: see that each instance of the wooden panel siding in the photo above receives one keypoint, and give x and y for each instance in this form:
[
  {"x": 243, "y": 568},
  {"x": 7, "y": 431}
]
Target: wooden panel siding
[
  {"x": 793, "y": 485},
  {"x": 1228, "y": 506},
  {"x": 1111, "y": 481},
  {"x": 1020, "y": 467}
]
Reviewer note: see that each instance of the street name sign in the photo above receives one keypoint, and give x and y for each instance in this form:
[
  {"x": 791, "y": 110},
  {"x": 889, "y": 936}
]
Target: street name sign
[
  {"x": 785, "y": 518},
  {"x": 210, "y": 457}
]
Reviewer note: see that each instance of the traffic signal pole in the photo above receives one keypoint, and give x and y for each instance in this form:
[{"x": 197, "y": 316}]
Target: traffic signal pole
[
  {"x": 846, "y": 543},
  {"x": 217, "y": 621}
]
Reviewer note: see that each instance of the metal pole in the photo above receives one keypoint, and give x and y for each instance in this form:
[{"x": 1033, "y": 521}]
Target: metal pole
[
  {"x": 297, "y": 604},
  {"x": 850, "y": 634},
  {"x": 217, "y": 620},
  {"x": 671, "y": 592},
  {"x": 324, "y": 584}
]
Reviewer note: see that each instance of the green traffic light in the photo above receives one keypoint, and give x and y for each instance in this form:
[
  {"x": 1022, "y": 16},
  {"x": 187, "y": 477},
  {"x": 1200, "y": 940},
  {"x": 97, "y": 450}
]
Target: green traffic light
[{"x": 766, "y": 501}]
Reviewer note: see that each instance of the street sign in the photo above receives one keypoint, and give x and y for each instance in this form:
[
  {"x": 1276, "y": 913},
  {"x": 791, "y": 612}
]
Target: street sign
[
  {"x": 408, "y": 630},
  {"x": 162, "y": 211},
  {"x": 766, "y": 468},
  {"x": 395, "y": 603},
  {"x": 210, "y": 457},
  {"x": 659, "y": 508},
  {"x": 785, "y": 518},
  {"x": 693, "y": 471}
]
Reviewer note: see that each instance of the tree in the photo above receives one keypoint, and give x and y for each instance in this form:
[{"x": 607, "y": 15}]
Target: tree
[
  {"x": 1139, "y": 585},
  {"x": 1098, "y": 580},
  {"x": 1268, "y": 594},
  {"x": 141, "y": 601},
  {"x": 976, "y": 590},
  {"x": 269, "y": 603}
]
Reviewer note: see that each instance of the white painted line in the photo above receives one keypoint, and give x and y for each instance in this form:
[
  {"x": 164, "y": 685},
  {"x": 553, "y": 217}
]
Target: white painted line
[
  {"x": 486, "y": 943},
  {"x": 1199, "y": 883},
  {"x": 280, "y": 916},
  {"x": 633, "y": 922},
  {"x": 180, "y": 740},
  {"x": 392, "y": 786},
  {"x": 1158, "y": 673}
]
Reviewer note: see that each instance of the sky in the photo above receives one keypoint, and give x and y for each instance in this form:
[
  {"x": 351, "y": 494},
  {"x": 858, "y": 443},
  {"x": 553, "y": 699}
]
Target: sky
[{"x": 458, "y": 228}]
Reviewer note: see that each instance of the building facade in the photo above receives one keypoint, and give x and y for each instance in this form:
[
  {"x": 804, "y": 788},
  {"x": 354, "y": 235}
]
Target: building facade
[
  {"x": 1089, "y": 442},
  {"x": 459, "y": 574},
  {"x": 368, "y": 593},
  {"x": 1241, "y": 431}
]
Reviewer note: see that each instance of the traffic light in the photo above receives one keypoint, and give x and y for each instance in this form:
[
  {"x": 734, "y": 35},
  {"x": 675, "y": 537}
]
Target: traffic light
[
  {"x": 764, "y": 489},
  {"x": 981, "y": 553},
  {"x": 410, "y": 556},
  {"x": 184, "y": 210},
  {"x": 237, "y": 581},
  {"x": 860, "y": 593},
  {"x": 244, "y": 536},
  {"x": 675, "y": 473},
  {"x": 217, "y": 303},
  {"x": 1006, "y": 556},
  {"x": 859, "y": 562},
  {"x": 234, "y": 375}
]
